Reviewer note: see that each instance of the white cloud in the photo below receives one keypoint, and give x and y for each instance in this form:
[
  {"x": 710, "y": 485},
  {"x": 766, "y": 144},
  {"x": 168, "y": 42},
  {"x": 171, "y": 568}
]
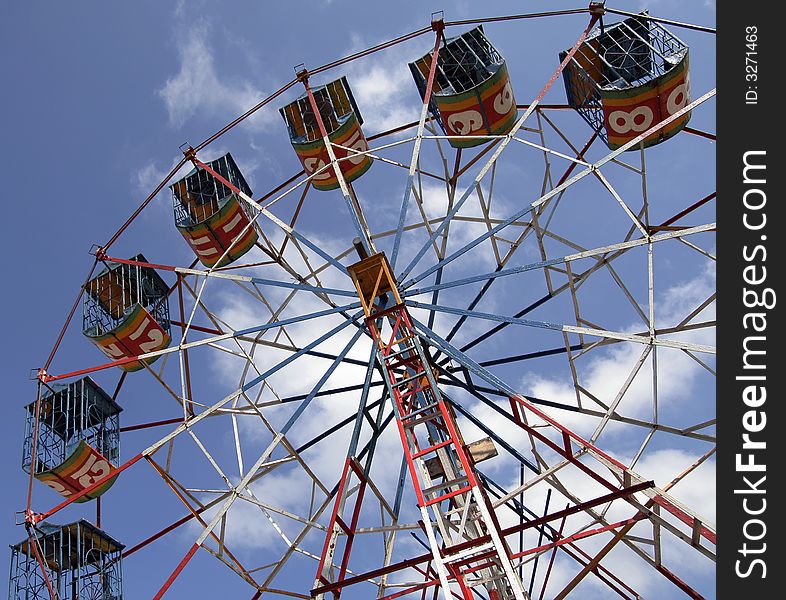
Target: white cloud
[
  {"x": 606, "y": 371},
  {"x": 199, "y": 88},
  {"x": 149, "y": 176},
  {"x": 696, "y": 490},
  {"x": 383, "y": 87},
  {"x": 435, "y": 205},
  {"x": 250, "y": 529},
  {"x": 159, "y": 212}
]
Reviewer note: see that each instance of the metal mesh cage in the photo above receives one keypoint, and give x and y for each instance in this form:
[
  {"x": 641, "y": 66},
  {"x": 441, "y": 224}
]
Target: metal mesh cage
[
  {"x": 335, "y": 104},
  {"x": 81, "y": 562},
  {"x": 68, "y": 414},
  {"x": 199, "y": 195},
  {"x": 631, "y": 52},
  {"x": 464, "y": 62},
  {"x": 620, "y": 56},
  {"x": 114, "y": 292}
]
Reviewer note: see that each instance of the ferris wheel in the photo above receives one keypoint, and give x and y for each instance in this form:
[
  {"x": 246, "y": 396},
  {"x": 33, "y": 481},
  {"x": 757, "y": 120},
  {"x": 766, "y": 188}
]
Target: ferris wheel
[{"x": 433, "y": 362}]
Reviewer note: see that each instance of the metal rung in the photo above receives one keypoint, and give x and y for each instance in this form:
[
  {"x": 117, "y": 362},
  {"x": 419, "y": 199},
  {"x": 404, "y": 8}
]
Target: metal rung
[
  {"x": 459, "y": 510},
  {"x": 400, "y": 340},
  {"x": 406, "y": 393},
  {"x": 449, "y": 495},
  {"x": 420, "y": 420},
  {"x": 433, "y": 448},
  {"x": 406, "y": 361},
  {"x": 466, "y": 553},
  {"x": 408, "y": 379},
  {"x": 419, "y": 411},
  {"x": 444, "y": 484},
  {"x": 399, "y": 352}
]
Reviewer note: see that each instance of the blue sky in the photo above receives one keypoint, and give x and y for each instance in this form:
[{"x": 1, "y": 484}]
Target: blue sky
[{"x": 99, "y": 97}]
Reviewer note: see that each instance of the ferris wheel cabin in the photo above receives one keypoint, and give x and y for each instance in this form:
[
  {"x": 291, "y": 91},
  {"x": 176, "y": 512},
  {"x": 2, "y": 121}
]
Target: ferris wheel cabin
[
  {"x": 472, "y": 94},
  {"x": 126, "y": 312},
  {"x": 211, "y": 217},
  {"x": 627, "y": 77},
  {"x": 78, "y": 439},
  {"x": 81, "y": 561},
  {"x": 342, "y": 120}
]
